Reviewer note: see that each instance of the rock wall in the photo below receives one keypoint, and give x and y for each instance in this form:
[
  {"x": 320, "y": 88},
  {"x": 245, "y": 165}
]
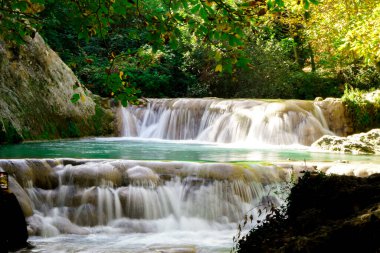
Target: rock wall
[
  {"x": 336, "y": 115},
  {"x": 35, "y": 91}
]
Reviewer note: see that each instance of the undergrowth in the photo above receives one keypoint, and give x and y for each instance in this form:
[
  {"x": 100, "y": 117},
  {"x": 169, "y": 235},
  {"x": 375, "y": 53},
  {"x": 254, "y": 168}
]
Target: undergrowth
[{"x": 365, "y": 114}]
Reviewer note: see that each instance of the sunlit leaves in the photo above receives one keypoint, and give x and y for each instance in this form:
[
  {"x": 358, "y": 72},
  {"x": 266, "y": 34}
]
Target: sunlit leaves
[
  {"x": 219, "y": 25},
  {"x": 345, "y": 31},
  {"x": 364, "y": 38},
  {"x": 219, "y": 68}
]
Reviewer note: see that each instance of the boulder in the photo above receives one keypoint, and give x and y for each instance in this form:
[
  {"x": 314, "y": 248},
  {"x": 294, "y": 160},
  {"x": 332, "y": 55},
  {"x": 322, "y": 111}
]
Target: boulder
[
  {"x": 363, "y": 143},
  {"x": 36, "y": 88}
]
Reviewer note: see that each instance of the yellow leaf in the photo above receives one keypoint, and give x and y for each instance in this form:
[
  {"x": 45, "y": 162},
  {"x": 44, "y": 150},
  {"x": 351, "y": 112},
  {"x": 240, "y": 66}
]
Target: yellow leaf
[
  {"x": 121, "y": 75},
  {"x": 82, "y": 97},
  {"x": 218, "y": 56},
  {"x": 219, "y": 68}
]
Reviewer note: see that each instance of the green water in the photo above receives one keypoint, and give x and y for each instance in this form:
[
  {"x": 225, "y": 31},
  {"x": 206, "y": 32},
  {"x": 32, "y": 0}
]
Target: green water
[{"x": 143, "y": 149}]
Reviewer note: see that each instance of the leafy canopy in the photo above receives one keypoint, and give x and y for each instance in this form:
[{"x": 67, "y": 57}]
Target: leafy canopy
[{"x": 221, "y": 24}]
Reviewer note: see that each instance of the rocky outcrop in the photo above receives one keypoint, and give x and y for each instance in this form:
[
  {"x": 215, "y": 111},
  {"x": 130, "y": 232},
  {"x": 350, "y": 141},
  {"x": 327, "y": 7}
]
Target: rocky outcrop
[
  {"x": 363, "y": 143},
  {"x": 324, "y": 214},
  {"x": 336, "y": 115},
  {"x": 35, "y": 92}
]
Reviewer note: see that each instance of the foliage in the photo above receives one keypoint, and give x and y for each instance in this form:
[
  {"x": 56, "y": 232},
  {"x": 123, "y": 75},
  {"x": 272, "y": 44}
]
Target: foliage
[
  {"x": 271, "y": 73},
  {"x": 220, "y": 24},
  {"x": 344, "y": 32},
  {"x": 8, "y": 134},
  {"x": 359, "y": 77},
  {"x": 309, "y": 85},
  {"x": 126, "y": 48},
  {"x": 19, "y": 18},
  {"x": 365, "y": 113},
  {"x": 363, "y": 37}
]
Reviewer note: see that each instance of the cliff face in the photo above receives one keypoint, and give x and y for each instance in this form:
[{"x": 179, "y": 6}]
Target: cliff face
[{"x": 35, "y": 92}]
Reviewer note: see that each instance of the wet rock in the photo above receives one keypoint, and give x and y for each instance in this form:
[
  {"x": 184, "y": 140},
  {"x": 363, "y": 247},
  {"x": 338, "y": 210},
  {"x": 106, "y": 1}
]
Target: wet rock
[
  {"x": 141, "y": 175},
  {"x": 371, "y": 137},
  {"x": 363, "y": 143},
  {"x": 372, "y": 96},
  {"x": 22, "y": 197},
  {"x": 336, "y": 115},
  {"x": 92, "y": 174}
]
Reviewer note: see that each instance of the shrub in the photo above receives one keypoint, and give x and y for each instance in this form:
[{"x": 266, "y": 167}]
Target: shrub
[
  {"x": 358, "y": 77},
  {"x": 365, "y": 114}
]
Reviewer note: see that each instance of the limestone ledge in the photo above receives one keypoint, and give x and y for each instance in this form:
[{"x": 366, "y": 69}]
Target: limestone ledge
[
  {"x": 363, "y": 143},
  {"x": 357, "y": 169}
]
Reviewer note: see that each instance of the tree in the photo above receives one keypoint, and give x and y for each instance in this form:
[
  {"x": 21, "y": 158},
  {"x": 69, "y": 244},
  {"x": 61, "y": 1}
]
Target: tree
[
  {"x": 345, "y": 32},
  {"x": 221, "y": 24}
]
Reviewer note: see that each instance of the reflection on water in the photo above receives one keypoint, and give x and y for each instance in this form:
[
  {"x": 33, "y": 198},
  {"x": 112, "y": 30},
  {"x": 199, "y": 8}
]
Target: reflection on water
[{"x": 144, "y": 149}]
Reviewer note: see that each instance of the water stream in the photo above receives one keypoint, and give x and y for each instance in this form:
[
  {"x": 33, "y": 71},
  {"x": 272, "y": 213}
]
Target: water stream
[
  {"x": 181, "y": 177},
  {"x": 227, "y": 121},
  {"x": 137, "y": 206}
]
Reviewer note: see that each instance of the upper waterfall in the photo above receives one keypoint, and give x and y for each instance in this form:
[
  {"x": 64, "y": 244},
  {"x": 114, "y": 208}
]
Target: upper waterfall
[{"x": 226, "y": 121}]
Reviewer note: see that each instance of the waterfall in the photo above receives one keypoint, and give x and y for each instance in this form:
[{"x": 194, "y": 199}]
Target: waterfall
[
  {"x": 226, "y": 121},
  {"x": 79, "y": 196}
]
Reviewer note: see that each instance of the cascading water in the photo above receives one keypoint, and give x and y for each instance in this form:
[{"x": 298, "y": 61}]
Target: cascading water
[
  {"x": 226, "y": 121},
  {"x": 130, "y": 206}
]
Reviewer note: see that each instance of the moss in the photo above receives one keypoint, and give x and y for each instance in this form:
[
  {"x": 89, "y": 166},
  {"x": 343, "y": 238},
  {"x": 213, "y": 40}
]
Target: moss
[
  {"x": 365, "y": 114},
  {"x": 51, "y": 126},
  {"x": 72, "y": 130},
  {"x": 101, "y": 122},
  {"x": 8, "y": 133}
]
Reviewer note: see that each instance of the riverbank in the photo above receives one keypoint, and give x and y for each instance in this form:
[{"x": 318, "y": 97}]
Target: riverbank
[{"x": 324, "y": 214}]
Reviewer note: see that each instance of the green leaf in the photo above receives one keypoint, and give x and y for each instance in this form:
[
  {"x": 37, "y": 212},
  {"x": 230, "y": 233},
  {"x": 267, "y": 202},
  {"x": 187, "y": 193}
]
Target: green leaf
[
  {"x": 185, "y": 4},
  {"x": 203, "y": 14},
  {"x": 306, "y": 4},
  {"x": 83, "y": 35},
  {"x": 270, "y": 4},
  {"x": 21, "y": 6},
  {"x": 280, "y": 3},
  {"x": 75, "y": 98},
  {"x": 242, "y": 62},
  {"x": 228, "y": 67},
  {"x": 195, "y": 9}
]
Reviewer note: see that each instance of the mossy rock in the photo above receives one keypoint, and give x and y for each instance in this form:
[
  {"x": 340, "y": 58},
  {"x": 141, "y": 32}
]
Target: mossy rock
[{"x": 364, "y": 143}]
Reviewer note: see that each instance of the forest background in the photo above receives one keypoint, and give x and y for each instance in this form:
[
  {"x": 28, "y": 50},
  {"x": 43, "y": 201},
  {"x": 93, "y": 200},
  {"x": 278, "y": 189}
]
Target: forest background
[{"x": 175, "y": 48}]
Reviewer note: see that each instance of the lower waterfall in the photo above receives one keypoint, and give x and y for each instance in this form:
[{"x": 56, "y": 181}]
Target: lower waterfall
[
  {"x": 136, "y": 200},
  {"x": 226, "y": 121}
]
